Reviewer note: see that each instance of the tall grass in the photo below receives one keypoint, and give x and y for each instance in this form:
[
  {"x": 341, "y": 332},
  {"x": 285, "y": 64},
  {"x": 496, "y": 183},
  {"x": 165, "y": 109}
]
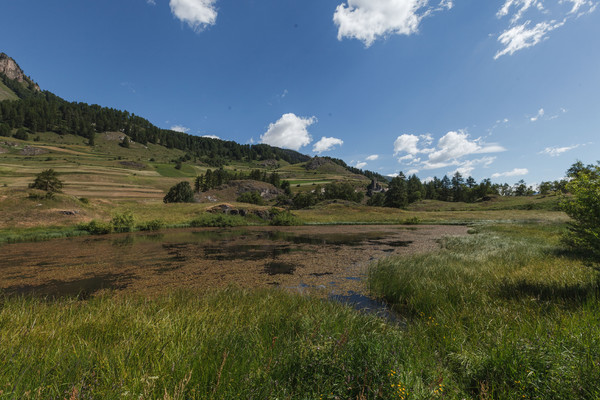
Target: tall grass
[
  {"x": 500, "y": 314},
  {"x": 228, "y": 345}
]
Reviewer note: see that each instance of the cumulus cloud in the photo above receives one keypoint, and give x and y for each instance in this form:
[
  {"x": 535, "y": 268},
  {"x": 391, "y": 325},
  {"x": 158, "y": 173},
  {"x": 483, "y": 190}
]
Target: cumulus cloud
[
  {"x": 326, "y": 144},
  {"x": 198, "y": 14},
  {"x": 455, "y": 145},
  {"x": 538, "y": 24},
  {"x": 514, "y": 172},
  {"x": 367, "y": 20},
  {"x": 361, "y": 165},
  {"x": 406, "y": 143},
  {"x": 211, "y": 137},
  {"x": 538, "y": 115},
  {"x": 412, "y": 172},
  {"x": 372, "y": 157},
  {"x": 180, "y": 128},
  {"x": 290, "y": 132},
  {"x": 452, "y": 149},
  {"x": 557, "y": 151},
  {"x": 152, "y": 2}
]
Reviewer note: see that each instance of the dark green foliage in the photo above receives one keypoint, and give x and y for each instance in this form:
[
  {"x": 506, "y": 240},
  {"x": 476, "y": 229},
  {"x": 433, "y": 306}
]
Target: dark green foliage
[
  {"x": 251, "y": 197},
  {"x": 342, "y": 191},
  {"x": 284, "y": 218},
  {"x": 4, "y": 129},
  {"x": 583, "y": 206},
  {"x": 126, "y": 143},
  {"x": 97, "y": 227},
  {"x": 122, "y": 222},
  {"x": 47, "y": 180},
  {"x": 377, "y": 200},
  {"x": 397, "y": 195},
  {"x": 44, "y": 111},
  {"x": 180, "y": 193},
  {"x": 218, "y": 221},
  {"x": 21, "y": 134},
  {"x": 213, "y": 179},
  {"x": 154, "y": 225}
]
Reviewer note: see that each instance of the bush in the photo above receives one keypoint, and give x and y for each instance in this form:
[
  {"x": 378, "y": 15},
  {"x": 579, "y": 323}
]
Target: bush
[
  {"x": 122, "y": 222},
  {"x": 218, "y": 221},
  {"x": 154, "y": 225},
  {"x": 21, "y": 134},
  {"x": 251, "y": 197},
  {"x": 284, "y": 218},
  {"x": 180, "y": 193},
  {"x": 97, "y": 227},
  {"x": 583, "y": 206},
  {"x": 47, "y": 180}
]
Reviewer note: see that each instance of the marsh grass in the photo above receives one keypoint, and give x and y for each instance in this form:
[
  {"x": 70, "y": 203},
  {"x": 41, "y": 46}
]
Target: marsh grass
[
  {"x": 502, "y": 313},
  {"x": 226, "y": 345}
]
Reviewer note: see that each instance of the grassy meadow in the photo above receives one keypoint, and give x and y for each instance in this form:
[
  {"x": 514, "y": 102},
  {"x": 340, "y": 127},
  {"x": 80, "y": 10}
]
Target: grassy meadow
[{"x": 502, "y": 313}]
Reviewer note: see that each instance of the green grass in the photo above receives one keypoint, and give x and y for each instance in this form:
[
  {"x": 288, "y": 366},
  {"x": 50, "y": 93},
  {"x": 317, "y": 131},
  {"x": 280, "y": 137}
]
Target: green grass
[
  {"x": 6, "y": 93},
  {"x": 169, "y": 170},
  {"x": 501, "y": 314},
  {"x": 228, "y": 345}
]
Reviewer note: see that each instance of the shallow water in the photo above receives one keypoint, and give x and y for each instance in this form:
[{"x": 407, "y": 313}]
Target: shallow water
[{"x": 326, "y": 259}]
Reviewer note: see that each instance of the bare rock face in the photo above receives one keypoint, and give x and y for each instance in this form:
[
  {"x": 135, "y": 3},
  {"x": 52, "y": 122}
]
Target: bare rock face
[{"x": 11, "y": 69}]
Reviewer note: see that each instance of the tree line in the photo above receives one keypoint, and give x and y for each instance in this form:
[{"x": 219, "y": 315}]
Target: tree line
[
  {"x": 46, "y": 112},
  {"x": 213, "y": 179}
]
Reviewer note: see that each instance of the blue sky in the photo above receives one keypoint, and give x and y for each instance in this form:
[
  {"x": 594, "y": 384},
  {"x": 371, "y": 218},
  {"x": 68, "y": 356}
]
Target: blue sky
[{"x": 506, "y": 89}]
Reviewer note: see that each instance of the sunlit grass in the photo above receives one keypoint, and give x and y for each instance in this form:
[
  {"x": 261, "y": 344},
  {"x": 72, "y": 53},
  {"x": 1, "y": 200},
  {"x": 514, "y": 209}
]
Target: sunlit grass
[
  {"x": 502, "y": 313},
  {"x": 232, "y": 344}
]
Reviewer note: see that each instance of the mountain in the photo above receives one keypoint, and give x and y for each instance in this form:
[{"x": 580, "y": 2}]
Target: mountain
[
  {"x": 14, "y": 83},
  {"x": 42, "y": 111}
]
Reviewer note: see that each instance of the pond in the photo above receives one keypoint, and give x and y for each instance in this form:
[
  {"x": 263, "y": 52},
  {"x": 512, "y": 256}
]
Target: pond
[{"x": 326, "y": 260}]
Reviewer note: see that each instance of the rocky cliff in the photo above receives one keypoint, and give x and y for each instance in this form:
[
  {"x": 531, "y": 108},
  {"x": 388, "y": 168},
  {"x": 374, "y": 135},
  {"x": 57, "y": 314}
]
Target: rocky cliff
[{"x": 11, "y": 69}]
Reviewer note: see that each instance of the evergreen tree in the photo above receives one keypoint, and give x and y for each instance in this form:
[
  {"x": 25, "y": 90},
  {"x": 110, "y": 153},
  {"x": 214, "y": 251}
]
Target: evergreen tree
[{"x": 47, "y": 180}]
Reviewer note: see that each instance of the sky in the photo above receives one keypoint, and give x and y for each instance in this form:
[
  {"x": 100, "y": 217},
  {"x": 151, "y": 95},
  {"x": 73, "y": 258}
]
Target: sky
[{"x": 506, "y": 89}]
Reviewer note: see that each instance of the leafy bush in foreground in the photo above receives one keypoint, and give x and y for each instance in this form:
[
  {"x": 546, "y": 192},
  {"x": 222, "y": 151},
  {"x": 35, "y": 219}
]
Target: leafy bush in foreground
[{"x": 584, "y": 207}]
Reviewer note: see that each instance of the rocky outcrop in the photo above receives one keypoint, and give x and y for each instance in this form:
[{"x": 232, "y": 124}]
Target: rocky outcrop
[{"x": 11, "y": 69}]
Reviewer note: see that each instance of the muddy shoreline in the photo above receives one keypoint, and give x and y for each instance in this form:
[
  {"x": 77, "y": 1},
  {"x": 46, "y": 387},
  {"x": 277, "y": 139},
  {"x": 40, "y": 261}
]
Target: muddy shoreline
[{"x": 325, "y": 260}]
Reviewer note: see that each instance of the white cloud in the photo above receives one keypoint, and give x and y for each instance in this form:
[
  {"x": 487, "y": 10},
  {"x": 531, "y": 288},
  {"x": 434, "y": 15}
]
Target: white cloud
[
  {"x": 557, "y": 151},
  {"x": 412, "y": 172},
  {"x": 326, "y": 144},
  {"x": 180, "y": 128},
  {"x": 290, "y": 132},
  {"x": 428, "y": 179},
  {"x": 367, "y": 20},
  {"x": 538, "y": 115},
  {"x": 211, "y": 137},
  {"x": 406, "y": 143},
  {"x": 198, "y": 14},
  {"x": 361, "y": 165},
  {"x": 152, "y": 2},
  {"x": 455, "y": 145},
  {"x": 514, "y": 172},
  {"x": 520, "y": 35},
  {"x": 451, "y": 150},
  {"x": 372, "y": 157}
]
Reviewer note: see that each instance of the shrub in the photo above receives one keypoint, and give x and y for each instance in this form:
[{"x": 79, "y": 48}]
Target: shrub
[
  {"x": 154, "y": 225},
  {"x": 47, "y": 180},
  {"x": 84, "y": 200},
  {"x": 122, "y": 222},
  {"x": 97, "y": 227},
  {"x": 218, "y": 221},
  {"x": 583, "y": 206},
  {"x": 180, "y": 193},
  {"x": 21, "y": 134},
  {"x": 284, "y": 218},
  {"x": 251, "y": 197}
]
